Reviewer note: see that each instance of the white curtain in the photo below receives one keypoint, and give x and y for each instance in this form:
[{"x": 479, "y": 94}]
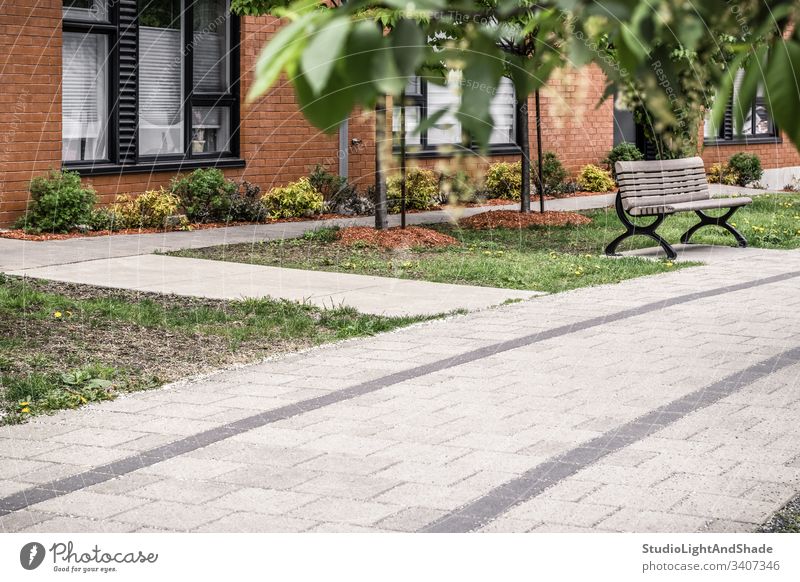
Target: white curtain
[{"x": 84, "y": 96}]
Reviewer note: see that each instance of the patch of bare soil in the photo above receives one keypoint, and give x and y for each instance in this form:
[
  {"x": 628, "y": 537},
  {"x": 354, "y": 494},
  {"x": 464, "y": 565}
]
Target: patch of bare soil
[
  {"x": 395, "y": 238},
  {"x": 514, "y": 219}
]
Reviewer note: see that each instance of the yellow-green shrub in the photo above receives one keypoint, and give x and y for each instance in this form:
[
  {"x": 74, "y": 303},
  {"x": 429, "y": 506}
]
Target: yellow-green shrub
[
  {"x": 722, "y": 174},
  {"x": 594, "y": 179},
  {"x": 504, "y": 180},
  {"x": 294, "y": 200},
  {"x": 422, "y": 190},
  {"x": 148, "y": 210}
]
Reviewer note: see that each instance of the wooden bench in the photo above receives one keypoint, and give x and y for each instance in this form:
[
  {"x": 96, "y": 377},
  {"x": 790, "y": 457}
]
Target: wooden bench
[{"x": 664, "y": 187}]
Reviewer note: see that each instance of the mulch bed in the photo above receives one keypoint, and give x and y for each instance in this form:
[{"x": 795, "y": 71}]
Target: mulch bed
[
  {"x": 19, "y": 234},
  {"x": 514, "y": 219},
  {"x": 395, "y": 238}
]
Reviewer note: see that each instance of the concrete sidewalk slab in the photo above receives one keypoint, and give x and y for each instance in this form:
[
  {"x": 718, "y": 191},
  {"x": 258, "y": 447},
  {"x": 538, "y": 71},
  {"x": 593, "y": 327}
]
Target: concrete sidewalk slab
[
  {"x": 223, "y": 280},
  {"x": 698, "y": 252}
]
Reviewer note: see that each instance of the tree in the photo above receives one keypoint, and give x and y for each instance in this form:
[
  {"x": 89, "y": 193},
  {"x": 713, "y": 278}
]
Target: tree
[{"x": 667, "y": 57}]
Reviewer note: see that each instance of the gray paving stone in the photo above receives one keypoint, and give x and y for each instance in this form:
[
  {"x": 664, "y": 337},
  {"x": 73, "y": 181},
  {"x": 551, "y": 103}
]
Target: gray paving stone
[
  {"x": 273, "y": 501},
  {"x": 364, "y": 513},
  {"x": 89, "y": 504},
  {"x": 248, "y": 522},
  {"x": 171, "y": 516},
  {"x": 410, "y": 519},
  {"x": 348, "y": 486}
]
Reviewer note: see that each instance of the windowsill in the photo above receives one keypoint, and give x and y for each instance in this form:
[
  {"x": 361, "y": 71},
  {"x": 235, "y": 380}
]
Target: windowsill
[
  {"x": 105, "y": 169},
  {"x": 739, "y": 141},
  {"x": 433, "y": 152}
]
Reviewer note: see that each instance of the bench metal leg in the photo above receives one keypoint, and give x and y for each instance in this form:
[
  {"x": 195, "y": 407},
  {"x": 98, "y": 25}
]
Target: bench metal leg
[
  {"x": 632, "y": 229},
  {"x": 706, "y": 220}
]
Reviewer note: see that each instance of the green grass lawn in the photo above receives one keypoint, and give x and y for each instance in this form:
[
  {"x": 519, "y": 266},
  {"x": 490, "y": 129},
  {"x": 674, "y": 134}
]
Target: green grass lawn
[
  {"x": 547, "y": 259},
  {"x": 63, "y": 345}
]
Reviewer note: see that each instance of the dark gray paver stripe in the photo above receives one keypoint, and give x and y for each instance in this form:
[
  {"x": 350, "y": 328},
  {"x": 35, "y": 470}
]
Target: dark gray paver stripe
[
  {"x": 488, "y": 507},
  {"x": 53, "y": 489}
]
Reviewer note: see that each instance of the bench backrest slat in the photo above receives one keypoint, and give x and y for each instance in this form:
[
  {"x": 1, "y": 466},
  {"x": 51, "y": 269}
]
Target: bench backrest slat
[{"x": 661, "y": 182}]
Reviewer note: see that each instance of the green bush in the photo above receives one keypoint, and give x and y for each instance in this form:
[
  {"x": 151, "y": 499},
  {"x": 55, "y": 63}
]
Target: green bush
[
  {"x": 422, "y": 190},
  {"x": 504, "y": 180},
  {"x": 594, "y": 179},
  {"x": 59, "y": 203},
  {"x": 747, "y": 168},
  {"x": 293, "y": 200},
  {"x": 722, "y": 174},
  {"x": 103, "y": 219},
  {"x": 624, "y": 152},
  {"x": 458, "y": 188},
  {"x": 205, "y": 195},
  {"x": 553, "y": 175},
  {"x": 148, "y": 210}
]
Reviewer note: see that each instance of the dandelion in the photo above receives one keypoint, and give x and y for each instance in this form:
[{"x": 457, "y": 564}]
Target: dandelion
[
  {"x": 669, "y": 264},
  {"x": 57, "y": 315},
  {"x": 25, "y": 410}
]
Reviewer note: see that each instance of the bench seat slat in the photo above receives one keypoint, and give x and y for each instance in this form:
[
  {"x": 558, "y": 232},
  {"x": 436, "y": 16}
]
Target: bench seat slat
[
  {"x": 710, "y": 204},
  {"x": 638, "y": 183}
]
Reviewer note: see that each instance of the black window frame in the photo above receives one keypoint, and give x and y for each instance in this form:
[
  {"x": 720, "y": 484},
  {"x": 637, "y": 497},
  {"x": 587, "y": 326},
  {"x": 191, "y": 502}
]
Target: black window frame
[
  {"x": 726, "y": 135},
  {"x": 426, "y": 150},
  {"x": 123, "y": 45},
  {"x": 109, "y": 29}
]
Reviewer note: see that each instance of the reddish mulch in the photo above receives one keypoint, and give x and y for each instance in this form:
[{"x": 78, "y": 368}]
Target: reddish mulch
[
  {"x": 19, "y": 234},
  {"x": 514, "y": 219},
  {"x": 395, "y": 238}
]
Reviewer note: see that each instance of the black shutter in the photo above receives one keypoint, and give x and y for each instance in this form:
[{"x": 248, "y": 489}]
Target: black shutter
[{"x": 128, "y": 81}]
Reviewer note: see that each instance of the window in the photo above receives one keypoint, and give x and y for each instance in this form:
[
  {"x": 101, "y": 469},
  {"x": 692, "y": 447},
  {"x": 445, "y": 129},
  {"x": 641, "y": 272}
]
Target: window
[
  {"x": 84, "y": 90},
  {"x": 149, "y": 84},
  {"x": 757, "y": 125},
  {"x": 424, "y": 99}
]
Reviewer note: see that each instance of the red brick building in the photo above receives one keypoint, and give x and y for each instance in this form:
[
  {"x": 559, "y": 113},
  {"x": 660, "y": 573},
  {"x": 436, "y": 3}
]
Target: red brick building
[{"x": 130, "y": 94}]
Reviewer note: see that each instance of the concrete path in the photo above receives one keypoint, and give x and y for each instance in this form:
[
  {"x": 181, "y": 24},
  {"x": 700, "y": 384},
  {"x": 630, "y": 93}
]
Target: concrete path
[
  {"x": 223, "y": 280},
  {"x": 665, "y": 403}
]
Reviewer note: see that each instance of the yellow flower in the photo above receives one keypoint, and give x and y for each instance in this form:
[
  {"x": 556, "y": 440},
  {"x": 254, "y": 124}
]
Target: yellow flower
[
  {"x": 57, "y": 315},
  {"x": 669, "y": 263},
  {"x": 25, "y": 410},
  {"x": 24, "y": 403}
]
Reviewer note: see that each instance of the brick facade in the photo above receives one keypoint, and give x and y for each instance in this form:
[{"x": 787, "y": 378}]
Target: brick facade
[{"x": 277, "y": 144}]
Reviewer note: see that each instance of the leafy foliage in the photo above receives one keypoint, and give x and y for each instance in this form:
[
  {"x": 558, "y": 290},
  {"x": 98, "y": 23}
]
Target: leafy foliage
[
  {"x": 422, "y": 190},
  {"x": 58, "y": 203},
  {"x": 594, "y": 179},
  {"x": 205, "y": 195},
  {"x": 504, "y": 180},
  {"x": 747, "y": 168},
  {"x": 294, "y": 200},
  {"x": 722, "y": 174},
  {"x": 553, "y": 175},
  {"x": 148, "y": 210},
  {"x": 246, "y": 203},
  {"x": 623, "y": 152}
]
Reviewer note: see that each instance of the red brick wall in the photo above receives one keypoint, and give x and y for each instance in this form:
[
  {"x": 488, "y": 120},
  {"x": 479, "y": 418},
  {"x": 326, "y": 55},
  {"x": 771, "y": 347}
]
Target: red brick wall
[
  {"x": 773, "y": 155},
  {"x": 30, "y": 101}
]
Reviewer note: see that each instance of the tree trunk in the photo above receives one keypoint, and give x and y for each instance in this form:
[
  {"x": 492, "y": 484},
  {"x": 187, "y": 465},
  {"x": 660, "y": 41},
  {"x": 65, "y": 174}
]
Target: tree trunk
[
  {"x": 525, "y": 156},
  {"x": 381, "y": 217}
]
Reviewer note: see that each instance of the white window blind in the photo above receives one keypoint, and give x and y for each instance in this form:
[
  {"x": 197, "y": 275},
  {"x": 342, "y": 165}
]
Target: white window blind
[
  {"x": 160, "y": 91},
  {"x": 447, "y": 130},
  {"x": 503, "y": 112},
  {"x": 209, "y": 47},
  {"x": 84, "y": 96}
]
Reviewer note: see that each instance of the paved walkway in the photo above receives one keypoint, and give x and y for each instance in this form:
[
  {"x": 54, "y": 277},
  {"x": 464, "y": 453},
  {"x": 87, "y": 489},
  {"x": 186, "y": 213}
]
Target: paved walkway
[
  {"x": 222, "y": 280},
  {"x": 666, "y": 403}
]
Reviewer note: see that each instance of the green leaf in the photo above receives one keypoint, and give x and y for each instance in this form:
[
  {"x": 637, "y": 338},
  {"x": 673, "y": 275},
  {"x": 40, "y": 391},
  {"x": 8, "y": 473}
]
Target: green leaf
[
  {"x": 320, "y": 55},
  {"x": 408, "y": 43},
  {"x": 481, "y": 76},
  {"x": 98, "y": 383},
  {"x": 284, "y": 49},
  {"x": 753, "y": 76},
  {"x": 783, "y": 89}
]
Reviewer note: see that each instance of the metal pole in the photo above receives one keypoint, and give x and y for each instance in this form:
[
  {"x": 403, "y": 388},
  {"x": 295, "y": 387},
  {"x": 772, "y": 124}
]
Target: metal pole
[
  {"x": 539, "y": 180},
  {"x": 381, "y": 220},
  {"x": 403, "y": 160},
  {"x": 525, "y": 147}
]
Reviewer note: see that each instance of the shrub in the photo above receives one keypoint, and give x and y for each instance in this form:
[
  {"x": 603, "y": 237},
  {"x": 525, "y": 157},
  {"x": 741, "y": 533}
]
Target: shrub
[
  {"x": 103, "y": 219},
  {"x": 340, "y": 196},
  {"x": 59, "y": 203},
  {"x": 722, "y": 174},
  {"x": 422, "y": 190},
  {"x": 624, "y": 152},
  {"x": 594, "y": 179},
  {"x": 553, "y": 175},
  {"x": 246, "y": 203},
  {"x": 747, "y": 168},
  {"x": 293, "y": 200},
  {"x": 458, "y": 187},
  {"x": 205, "y": 195},
  {"x": 148, "y": 210},
  {"x": 504, "y": 180}
]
